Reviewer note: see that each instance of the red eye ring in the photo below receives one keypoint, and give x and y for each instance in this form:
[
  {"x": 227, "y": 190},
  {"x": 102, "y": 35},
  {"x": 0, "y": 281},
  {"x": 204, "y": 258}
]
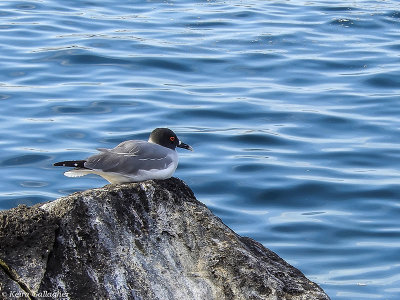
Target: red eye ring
[{"x": 172, "y": 138}]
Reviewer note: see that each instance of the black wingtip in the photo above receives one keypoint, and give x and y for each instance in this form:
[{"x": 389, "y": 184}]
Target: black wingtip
[{"x": 71, "y": 163}]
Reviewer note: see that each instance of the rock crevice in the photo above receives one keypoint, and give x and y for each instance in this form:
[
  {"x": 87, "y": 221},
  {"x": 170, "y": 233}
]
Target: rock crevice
[{"x": 149, "y": 240}]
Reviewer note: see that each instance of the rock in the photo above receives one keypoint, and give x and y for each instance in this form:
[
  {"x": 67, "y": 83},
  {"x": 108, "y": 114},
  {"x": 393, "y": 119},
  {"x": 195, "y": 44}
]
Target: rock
[{"x": 149, "y": 240}]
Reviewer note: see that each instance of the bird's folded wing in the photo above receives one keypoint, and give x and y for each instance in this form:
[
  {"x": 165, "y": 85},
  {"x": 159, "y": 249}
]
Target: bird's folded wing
[{"x": 130, "y": 157}]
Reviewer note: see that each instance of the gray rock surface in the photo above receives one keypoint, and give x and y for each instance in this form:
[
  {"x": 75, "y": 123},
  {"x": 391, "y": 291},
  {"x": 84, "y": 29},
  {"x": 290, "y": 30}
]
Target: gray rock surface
[{"x": 150, "y": 240}]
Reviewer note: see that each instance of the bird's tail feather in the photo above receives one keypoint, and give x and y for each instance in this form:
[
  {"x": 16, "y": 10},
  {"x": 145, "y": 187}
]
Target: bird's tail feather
[
  {"x": 71, "y": 163},
  {"x": 78, "y": 172}
]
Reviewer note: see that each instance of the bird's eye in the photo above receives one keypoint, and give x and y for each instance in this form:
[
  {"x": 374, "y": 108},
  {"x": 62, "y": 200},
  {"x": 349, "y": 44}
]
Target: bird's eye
[{"x": 172, "y": 138}]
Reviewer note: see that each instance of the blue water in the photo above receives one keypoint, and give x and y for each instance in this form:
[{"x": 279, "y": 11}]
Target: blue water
[{"x": 292, "y": 108}]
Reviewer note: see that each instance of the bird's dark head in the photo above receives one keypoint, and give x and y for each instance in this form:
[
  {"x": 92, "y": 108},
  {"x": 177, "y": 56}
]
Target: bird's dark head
[{"x": 167, "y": 138}]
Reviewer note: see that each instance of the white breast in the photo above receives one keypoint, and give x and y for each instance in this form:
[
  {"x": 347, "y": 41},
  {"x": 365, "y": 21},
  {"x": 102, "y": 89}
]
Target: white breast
[{"x": 160, "y": 174}]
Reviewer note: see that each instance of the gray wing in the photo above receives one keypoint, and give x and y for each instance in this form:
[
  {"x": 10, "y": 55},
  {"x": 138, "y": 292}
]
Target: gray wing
[{"x": 129, "y": 157}]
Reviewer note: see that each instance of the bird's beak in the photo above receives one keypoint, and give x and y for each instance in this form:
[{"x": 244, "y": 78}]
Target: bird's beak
[{"x": 185, "y": 146}]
